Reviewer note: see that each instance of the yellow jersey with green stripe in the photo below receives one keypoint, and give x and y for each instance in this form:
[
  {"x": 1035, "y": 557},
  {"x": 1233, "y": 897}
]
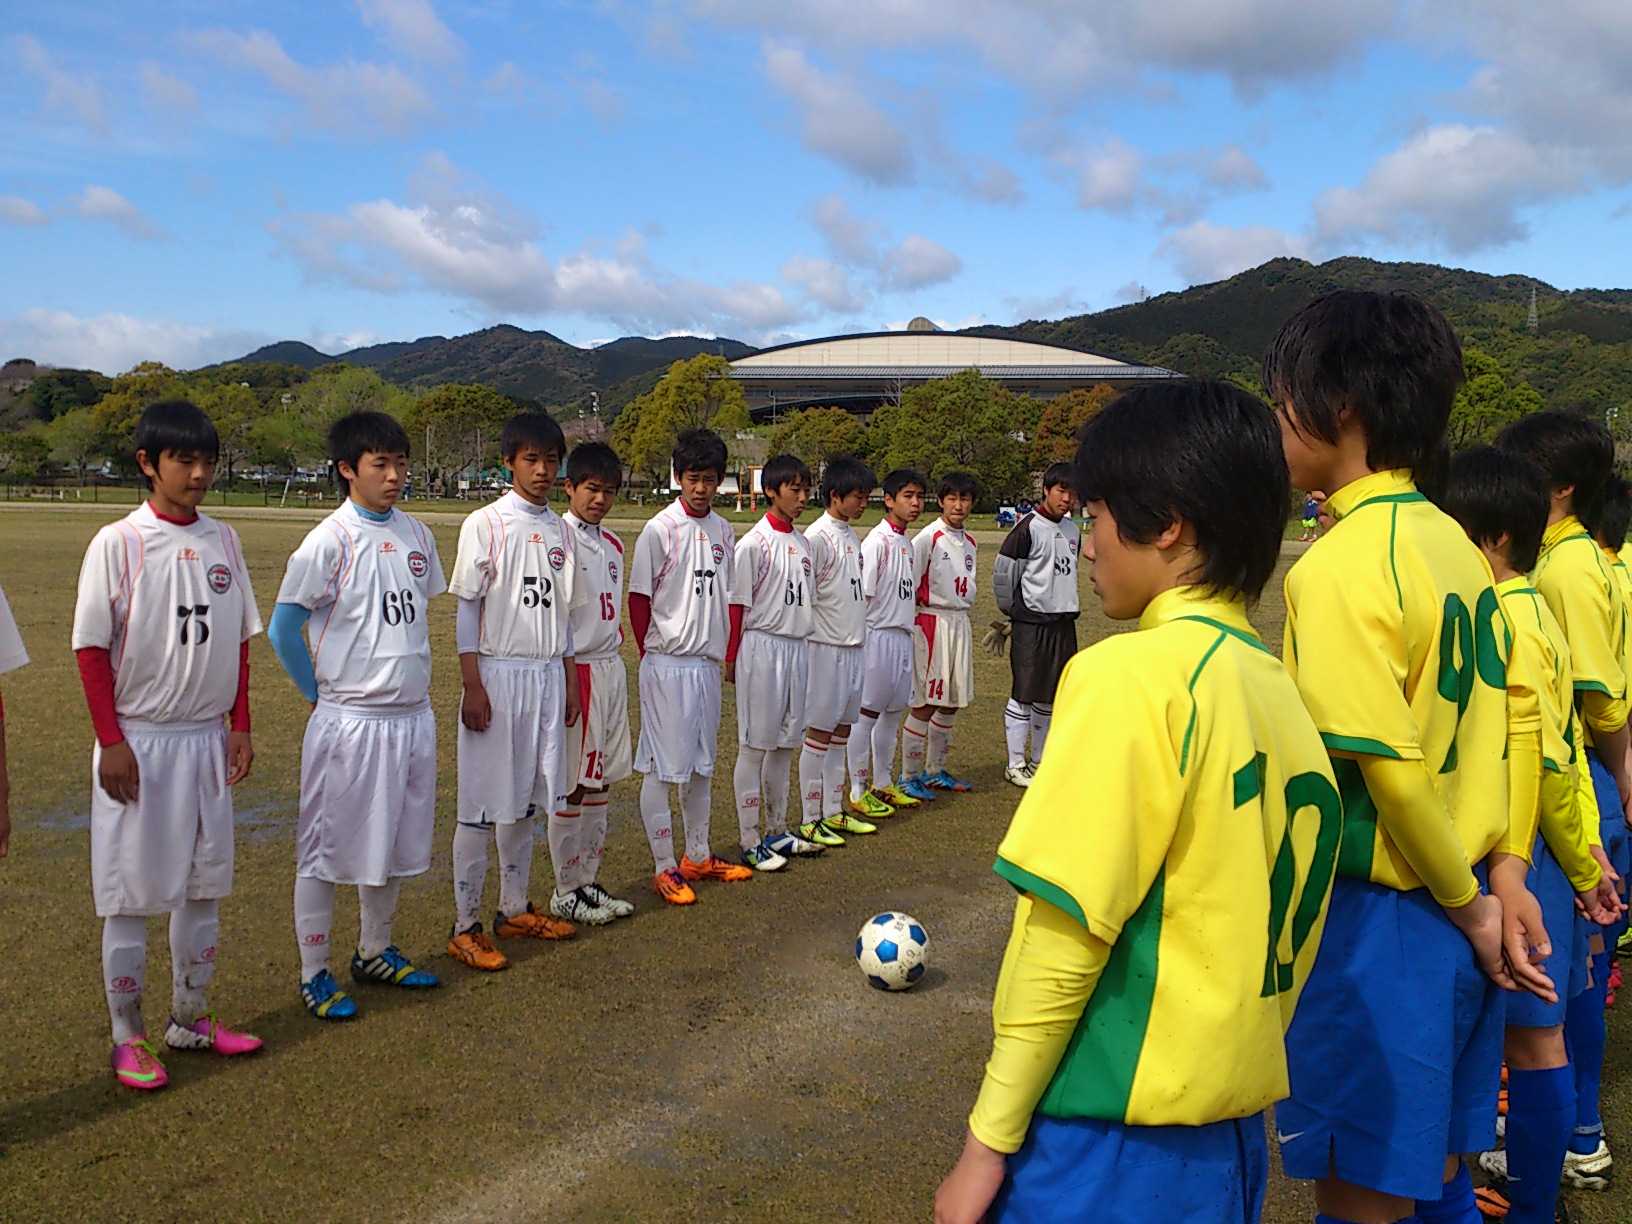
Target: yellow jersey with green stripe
[
  {"x": 1185, "y": 814},
  {"x": 1623, "y": 586},
  {"x": 1398, "y": 644},
  {"x": 1578, "y": 582},
  {"x": 1538, "y": 673}
]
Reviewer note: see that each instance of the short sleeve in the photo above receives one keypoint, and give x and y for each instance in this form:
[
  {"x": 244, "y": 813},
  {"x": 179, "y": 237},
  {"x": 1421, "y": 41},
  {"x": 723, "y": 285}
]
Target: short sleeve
[
  {"x": 1112, "y": 739},
  {"x": 647, "y": 562},
  {"x": 871, "y": 564},
  {"x": 578, "y": 563},
  {"x": 252, "y": 614},
  {"x": 923, "y": 548},
  {"x": 740, "y": 582},
  {"x": 473, "y": 562},
  {"x": 436, "y": 581},
  {"x": 1577, "y": 596},
  {"x": 312, "y": 577},
  {"x": 729, "y": 538},
  {"x": 101, "y": 577},
  {"x": 12, "y": 653}
]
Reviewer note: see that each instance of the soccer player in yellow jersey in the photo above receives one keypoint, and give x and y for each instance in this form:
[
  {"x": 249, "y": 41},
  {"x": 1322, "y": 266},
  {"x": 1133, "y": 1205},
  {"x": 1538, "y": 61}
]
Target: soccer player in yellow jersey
[
  {"x": 1165, "y": 927},
  {"x": 1398, "y": 645},
  {"x": 1577, "y": 580},
  {"x": 1501, "y": 501}
]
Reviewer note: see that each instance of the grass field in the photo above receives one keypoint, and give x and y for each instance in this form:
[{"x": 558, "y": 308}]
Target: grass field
[{"x": 721, "y": 1063}]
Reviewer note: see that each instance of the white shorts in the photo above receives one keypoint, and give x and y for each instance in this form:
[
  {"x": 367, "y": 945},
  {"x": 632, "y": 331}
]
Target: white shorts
[
  {"x": 679, "y": 716},
  {"x": 833, "y": 696},
  {"x": 174, "y": 843},
  {"x": 367, "y": 794},
  {"x": 943, "y": 660},
  {"x": 887, "y": 670},
  {"x": 519, "y": 762},
  {"x": 772, "y": 674},
  {"x": 603, "y": 731}
]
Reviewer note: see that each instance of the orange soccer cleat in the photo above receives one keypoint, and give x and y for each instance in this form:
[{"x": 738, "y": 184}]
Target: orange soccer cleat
[
  {"x": 475, "y": 948},
  {"x": 530, "y": 924},
  {"x": 714, "y": 868},
  {"x": 672, "y": 887}
]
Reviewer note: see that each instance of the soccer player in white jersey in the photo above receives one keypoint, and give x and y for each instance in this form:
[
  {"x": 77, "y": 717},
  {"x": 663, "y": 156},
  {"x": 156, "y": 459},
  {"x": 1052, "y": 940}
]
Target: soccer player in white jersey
[
  {"x": 161, "y": 632},
  {"x": 517, "y": 579},
  {"x": 12, "y": 656},
  {"x": 887, "y": 582},
  {"x": 598, "y": 755},
  {"x": 364, "y": 578},
  {"x": 679, "y": 590},
  {"x": 836, "y": 655},
  {"x": 765, "y": 659},
  {"x": 1035, "y": 581},
  {"x": 942, "y": 646}
]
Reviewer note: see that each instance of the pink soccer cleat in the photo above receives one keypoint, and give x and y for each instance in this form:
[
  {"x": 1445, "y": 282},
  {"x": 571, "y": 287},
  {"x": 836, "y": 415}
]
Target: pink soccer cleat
[
  {"x": 208, "y": 1033},
  {"x": 135, "y": 1065}
]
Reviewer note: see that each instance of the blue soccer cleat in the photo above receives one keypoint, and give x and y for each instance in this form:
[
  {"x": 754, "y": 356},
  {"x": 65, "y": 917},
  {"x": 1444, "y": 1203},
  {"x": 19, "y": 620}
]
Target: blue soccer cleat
[
  {"x": 324, "y": 998},
  {"x": 392, "y": 968},
  {"x": 941, "y": 780},
  {"x": 915, "y": 787}
]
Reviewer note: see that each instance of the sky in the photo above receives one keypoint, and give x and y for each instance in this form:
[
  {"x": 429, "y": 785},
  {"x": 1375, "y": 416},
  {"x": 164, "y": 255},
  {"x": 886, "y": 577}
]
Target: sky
[{"x": 183, "y": 181}]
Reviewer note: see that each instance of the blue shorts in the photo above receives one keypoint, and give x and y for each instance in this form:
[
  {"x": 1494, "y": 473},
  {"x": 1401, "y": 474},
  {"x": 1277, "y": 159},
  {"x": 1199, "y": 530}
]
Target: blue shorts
[
  {"x": 1395, "y": 1052},
  {"x": 1098, "y": 1172},
  {"x": 1567, "y": 931},
  {"x": 1612, "y": 826}
]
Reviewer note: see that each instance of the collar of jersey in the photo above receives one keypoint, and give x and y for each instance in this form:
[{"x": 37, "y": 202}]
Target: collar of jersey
[
  {"x": 367, "y": 515},
  {"x": 1393, "y": 485},
  {"x": 894, "y": 528},
  {"x": 525, "y": 506},
  {"x": 776, "y": 524},
  {"x": 1567, "y": 528},
  {"x": 1519, "y": 584},
  {"x": 1199, "y": 604}
]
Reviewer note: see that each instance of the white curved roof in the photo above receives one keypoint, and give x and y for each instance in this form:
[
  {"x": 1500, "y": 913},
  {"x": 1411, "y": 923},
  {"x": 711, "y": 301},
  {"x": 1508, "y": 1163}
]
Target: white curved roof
[{"x": 918, "y": 349}]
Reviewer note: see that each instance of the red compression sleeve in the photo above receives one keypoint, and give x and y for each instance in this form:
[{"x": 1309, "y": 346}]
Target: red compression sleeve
[
  {"x": 240, "y": 705},
  {"x": 640, "y": 618},
  {"x": 96, "y": 674},
  {"x": 734, "y": 642}
]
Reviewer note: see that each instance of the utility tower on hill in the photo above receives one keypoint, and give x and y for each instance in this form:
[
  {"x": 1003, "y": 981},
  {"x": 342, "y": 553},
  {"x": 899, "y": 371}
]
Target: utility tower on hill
[{"x": 1530, "y": 319}]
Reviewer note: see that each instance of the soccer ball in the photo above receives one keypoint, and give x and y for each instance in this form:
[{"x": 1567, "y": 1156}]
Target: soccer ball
[{"x": 893, "y": 951}]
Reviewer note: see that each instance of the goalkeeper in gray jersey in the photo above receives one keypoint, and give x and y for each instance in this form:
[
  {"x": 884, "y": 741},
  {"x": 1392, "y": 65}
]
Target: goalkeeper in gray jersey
[{"x": 1035, "y": 581}]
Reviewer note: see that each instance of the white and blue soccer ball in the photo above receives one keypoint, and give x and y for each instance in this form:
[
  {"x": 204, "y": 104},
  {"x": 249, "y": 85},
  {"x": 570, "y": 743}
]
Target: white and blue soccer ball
[{"x": 893, "y": 951}]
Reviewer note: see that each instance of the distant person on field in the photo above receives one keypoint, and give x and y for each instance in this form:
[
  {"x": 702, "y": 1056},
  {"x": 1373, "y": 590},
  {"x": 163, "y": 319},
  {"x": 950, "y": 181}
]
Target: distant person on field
[
  {"x": 1173, "y": 853},
  {"x": 12, "y": 656},
  {"x": 161, "y": 631},
  {"x": 1311, "y": 519}
]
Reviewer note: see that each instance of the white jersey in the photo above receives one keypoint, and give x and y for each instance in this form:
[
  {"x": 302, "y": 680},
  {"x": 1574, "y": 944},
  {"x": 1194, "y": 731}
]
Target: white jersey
[
  {"x": 171, "y": 603},
  {"x": 773, "y": 580},
  {"x": 522, "y": 562},
  {"x": 1047, "y": 555},
  {"x": 685, "y": 565},
  {"x": 944, "y": 565},
  {"x": 837, "y": 600},
  {"x": 12, "y": 653},
  {"x": 887, "y": 577},
  {"x": 596, "y": 630},
  {"x": 367, "y": 586}
]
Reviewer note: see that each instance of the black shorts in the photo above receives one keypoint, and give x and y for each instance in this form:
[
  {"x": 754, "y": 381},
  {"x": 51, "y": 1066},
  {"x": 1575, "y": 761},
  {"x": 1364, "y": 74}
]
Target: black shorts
[{"x": 1038, "y": 655}]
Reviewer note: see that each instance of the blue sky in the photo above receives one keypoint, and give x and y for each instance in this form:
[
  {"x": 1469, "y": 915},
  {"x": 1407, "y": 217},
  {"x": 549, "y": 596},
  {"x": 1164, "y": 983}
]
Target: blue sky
[{"x": 184, "y": 181}]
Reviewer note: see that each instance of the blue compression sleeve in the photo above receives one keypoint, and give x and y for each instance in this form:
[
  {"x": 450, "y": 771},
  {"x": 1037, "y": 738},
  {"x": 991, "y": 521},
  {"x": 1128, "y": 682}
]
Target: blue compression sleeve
[{"x": 287, "y": 643}]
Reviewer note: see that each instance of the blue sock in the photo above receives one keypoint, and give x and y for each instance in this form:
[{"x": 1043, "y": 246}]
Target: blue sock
[
  {"x": 1540, "y": 1122},
  {"x": 1326, "y": 1219},
  {"x": 1457, "y": 1204},
  {"x": 1584, "y": 1038}
]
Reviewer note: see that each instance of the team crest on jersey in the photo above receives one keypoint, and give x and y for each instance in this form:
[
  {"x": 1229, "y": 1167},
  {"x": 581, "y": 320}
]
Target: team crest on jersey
[
  {"x": 612, "y": 569},
  {"x": 969, "y": 562},
  {"x": 719, "y": 553},
  {"x": 418, "y": 564},
  {"x": 805, "y": 561},
  {"x": 558, "y": 557},
  {"x": 220, "y": 579}
]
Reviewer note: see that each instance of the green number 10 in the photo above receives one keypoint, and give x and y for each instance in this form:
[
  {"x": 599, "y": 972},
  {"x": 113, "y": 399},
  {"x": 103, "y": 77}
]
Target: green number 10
[{"x": 1467, "y": 650}]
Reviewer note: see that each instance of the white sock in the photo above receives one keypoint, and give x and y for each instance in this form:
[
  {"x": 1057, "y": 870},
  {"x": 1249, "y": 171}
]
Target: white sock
[
  {"x": 833, "y": 771},
  {"x": 813, "y": 779},
  {"x": 194, "y": 929},
  {"x": 565, "y": 831},
  {"x": 939, "y": 742},
  {"x": 515, "y": 842},
  {"x": 592, "y": 837},
  {"x": 314, "y": 916},
  {"x": 654, "y": 814},
  {"x": 748, "y": 780},
  {"x": 884, "y": 732},
  {"x": 1016, "y": 726},
  {"x": 696, "y": 802},
  {"x": 124, "y": 963},
  {"x": 469, "y": 873},
  {"x": 860, "y": 754},
  {"x": 914, "y": 735},
  {"x": 778, "y": 778},
  {"x": 377, "y": 908},
  {"x": 1041, "y": 716}
]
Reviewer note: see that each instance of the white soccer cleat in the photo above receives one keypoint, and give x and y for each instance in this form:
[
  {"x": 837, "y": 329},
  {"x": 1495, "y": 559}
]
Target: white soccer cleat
[
  {"x": 1020, "y": 775},
  {"x": 599, "y": 896},
  {"x": 576, "y": 906},
  {"x": 1588, "y": 1170}
]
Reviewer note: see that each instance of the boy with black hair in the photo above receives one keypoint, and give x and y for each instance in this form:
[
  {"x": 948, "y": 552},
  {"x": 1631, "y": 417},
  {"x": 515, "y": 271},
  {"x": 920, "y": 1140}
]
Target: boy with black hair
[
  {"x": 1124, "y": 1092},
  {"x": 1396, "y": 641},
  {"x": 770, "y": 623},
  {"x": 161, "y": 633},
  {"x": 679, "y": 595},
  {"x": 1578, "y": 582},
  {"x": 1035, "y": 581},
  {"x": 943, "y": 677},
  {"x": 516, "y": 577},
  {"x": 1501, "y": 501},
  {"x": 363, "y": 579},
  {"x": 887, "y": 583},
  {"x": 599, "y": 755},
  {"x": 837, "y": 644}
]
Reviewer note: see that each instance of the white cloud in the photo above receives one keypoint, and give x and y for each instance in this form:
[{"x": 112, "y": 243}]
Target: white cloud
[
  {"x": 509, "y": 81},
  {"x": 105, "y": 204},
  {"x": 603, "y": 103},
  {"x": 1231, "y": 168},
  {"x": 849, "y": 236},
  {"x": 15, "y": 210},
  {"x": 860, "y": 244},
  {"x": 113, "y": 343},
  {"x": 838, "y": 121},
  {"x": 64, "y": 92},
  {"x": 412, "y": 28},
  {"x": 1111, "y": 177},
  {"x": 168, "y": 91},
  {"x": 918, "y": 262},
  {"x": 1204, "y": 252},
  {"x": 343, "y": 98},
  {"x": 827, "y": 283}
]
